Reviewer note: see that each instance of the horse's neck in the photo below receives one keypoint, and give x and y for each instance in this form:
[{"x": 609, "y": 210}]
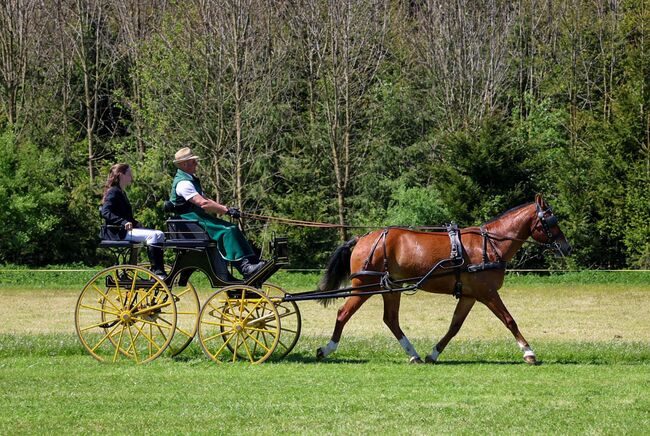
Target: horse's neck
[{"x": 511, "y": 230}]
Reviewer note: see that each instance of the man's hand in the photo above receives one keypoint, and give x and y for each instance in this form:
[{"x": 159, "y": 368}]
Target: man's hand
[
  {"x": 128, "y": 226},
  {"x": 234, "y": 212}
]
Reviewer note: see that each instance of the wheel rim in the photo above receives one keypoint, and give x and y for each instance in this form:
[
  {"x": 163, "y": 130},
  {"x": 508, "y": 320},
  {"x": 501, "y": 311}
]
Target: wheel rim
[
  {"x": 291, "y": 321},
  {"x": 188, "y": 308},
  {"x": 125, "y": 313},
  {"x": 239, "y": 323}
]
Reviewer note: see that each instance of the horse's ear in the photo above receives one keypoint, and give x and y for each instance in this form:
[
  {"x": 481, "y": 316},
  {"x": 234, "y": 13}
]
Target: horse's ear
[{"x": 539, "y": 200}]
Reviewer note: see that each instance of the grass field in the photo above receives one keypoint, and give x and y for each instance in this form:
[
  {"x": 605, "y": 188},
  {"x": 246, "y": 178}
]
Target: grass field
[{"x": 592, "y": 336}]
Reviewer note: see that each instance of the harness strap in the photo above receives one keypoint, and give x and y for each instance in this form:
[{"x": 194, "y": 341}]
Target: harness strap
[
  {"x": 486, "y": 239},
  {"x": 374, "y": 247}
]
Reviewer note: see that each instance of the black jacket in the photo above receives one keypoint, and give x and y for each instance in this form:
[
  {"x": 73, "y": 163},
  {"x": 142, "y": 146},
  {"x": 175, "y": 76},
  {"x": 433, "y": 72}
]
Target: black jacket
[{"x": 116, "y": 211}]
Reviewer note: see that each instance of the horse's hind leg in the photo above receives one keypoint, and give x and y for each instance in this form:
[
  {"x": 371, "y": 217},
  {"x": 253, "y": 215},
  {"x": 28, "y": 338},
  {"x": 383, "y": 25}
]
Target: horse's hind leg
[
  {"x": 495, "y": 304},
  {"x": 463, "y": 308},
  {"x": 391, "y": 319},
  {"x": 346, "y": 311}
]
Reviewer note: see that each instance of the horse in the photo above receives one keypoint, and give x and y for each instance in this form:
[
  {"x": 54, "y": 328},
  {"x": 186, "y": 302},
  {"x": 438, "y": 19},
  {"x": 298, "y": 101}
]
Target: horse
[{"x": 475, "y": 271}]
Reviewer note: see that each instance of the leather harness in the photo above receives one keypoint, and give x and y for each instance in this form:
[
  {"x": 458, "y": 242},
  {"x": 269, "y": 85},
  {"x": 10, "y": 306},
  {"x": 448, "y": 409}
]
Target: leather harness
[{"x": 455, "y": 261}]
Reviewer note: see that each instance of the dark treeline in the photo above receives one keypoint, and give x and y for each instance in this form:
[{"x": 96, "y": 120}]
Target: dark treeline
[{"x": 365, "y": 113}]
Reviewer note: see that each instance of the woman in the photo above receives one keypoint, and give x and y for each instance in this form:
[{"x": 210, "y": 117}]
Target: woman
[{"x": 117, "y": 212}]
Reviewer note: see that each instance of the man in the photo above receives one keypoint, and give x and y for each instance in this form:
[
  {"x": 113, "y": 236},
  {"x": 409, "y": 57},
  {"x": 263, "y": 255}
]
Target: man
[{"x": 188, "y": 198}]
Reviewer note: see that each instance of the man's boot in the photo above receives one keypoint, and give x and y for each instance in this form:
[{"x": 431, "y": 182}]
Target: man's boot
[
  {"x": 247, "y": 267},
  {"x": 157, "y": 261}
]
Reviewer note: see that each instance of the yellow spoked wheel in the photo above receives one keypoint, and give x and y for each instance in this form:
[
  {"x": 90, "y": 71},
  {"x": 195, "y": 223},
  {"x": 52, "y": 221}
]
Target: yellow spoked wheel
[
  {"x": 291, "y": 320},
  {"x": 239, "y": 322},
  {"x": 188, "y": 308},
  {"x": 125, "y": 312}
]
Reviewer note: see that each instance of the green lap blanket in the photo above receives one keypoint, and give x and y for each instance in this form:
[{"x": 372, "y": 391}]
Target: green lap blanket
[{"x": 230, "y": 240}]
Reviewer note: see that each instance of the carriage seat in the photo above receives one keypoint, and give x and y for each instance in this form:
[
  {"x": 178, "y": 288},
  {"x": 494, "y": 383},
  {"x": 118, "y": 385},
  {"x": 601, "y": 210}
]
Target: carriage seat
[
  {"x": 182, "y": 233},
  {"x": 107, "y": 241}
]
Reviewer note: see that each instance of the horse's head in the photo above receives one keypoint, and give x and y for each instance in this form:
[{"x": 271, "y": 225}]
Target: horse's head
[{"x": 546, "y": 229}]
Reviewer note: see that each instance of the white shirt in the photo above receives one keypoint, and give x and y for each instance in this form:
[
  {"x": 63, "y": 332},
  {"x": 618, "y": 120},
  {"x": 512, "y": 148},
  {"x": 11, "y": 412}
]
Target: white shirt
[{"x": 186, "y": 189}]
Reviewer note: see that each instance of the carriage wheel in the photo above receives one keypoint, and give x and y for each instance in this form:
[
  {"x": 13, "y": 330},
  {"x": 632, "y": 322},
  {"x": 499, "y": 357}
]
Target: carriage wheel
[
  {"x": 125, "y": 312},
  {"x": 187, "y": 314},
  {"x": 291, "y": 320},
  {"x": 239, "y": 322}
]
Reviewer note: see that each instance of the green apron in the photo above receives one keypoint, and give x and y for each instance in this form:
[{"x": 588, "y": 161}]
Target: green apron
[{"x": 230, "y": 240}]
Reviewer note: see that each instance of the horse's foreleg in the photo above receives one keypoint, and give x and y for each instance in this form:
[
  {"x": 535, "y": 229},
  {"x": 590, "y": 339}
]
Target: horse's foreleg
[
  {"x": 495, "y": 304},
  {"x": 463, "y": 307},
  {"x": 344, "y": 314},
  {"x": 391, "y": 319}
]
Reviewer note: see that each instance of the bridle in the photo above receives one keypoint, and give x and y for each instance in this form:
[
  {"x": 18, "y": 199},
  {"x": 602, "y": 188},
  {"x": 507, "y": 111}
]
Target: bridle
[{"x": 547, "y": 223}]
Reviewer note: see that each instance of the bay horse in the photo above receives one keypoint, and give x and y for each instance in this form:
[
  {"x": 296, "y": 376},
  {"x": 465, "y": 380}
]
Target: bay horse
[{"x": 476, "y": 275}]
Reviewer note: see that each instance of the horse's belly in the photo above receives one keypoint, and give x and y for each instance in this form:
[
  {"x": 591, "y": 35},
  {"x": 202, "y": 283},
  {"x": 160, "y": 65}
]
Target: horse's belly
[{"x": 474, "y": 285}]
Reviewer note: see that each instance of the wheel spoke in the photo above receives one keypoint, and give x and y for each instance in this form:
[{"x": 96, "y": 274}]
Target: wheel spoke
[
  {"x": 99, "y": 309},
  {"x": 248, "y": 351},
  {"x": 149, "y": 339},
  {"x": 145, "y": 321},
  {"x": 218, "y": 335},
  {"x": 255, "y": 329},
  {"x": 105, "y": 296},
  {"x": 99, "y": 324},
  {"x": 119, "y": 344},
  {"x": 152, "y": 308},
  {"x": 183, "y": 331},
  {"x": 251, "y": 311},
  {"x": 225, "y": 343},
  {"x": 133, "y": 347},
  {"x": 228, "y": 318},
  {"x": 104, "y": 338},
  {"x": 216, "y": 323},
  {"x": 260, "y": 344},
  {"x": 187, "y": 289}
]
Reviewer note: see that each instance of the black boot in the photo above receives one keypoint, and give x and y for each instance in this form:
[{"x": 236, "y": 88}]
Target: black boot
[
  {"x": 220, "y": 266},
  {"x": 247, "y": 267},
  {"x": 157, "y": 261}
]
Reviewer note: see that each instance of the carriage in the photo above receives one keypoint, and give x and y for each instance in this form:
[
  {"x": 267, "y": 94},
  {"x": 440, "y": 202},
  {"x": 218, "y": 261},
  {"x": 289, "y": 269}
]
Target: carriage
[{"x": 126, "y": 312}]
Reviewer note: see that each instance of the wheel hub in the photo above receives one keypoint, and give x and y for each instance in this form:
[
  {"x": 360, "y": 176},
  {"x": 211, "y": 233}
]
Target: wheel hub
[{"x": 126, "y": 317}]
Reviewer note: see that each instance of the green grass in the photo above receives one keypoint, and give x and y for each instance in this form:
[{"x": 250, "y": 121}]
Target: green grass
[
  {"x": 58, "y": 277},
  {"x": 599, "y": 385},
  {"x": 478, "y": 387}
]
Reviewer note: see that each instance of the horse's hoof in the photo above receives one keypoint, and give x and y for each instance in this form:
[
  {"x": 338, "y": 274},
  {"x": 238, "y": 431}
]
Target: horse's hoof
[
  {"x": 428, "y": 359},
  {"x": 319, "y": 354},
  {"x": 415, "y": 360},
  {"x": 531, "y": 360}
]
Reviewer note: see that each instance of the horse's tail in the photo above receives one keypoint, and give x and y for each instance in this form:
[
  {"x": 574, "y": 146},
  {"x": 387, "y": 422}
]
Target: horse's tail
[{"x": 338, "y": 269}]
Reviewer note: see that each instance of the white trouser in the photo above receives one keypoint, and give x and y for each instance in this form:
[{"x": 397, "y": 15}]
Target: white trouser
[{"x": 148, "y": 236}]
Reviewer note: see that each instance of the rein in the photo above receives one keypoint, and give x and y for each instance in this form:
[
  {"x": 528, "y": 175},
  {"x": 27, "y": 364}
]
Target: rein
[
  {"x": 487, "y": 236},
  {"x": 321, "y": 225}
]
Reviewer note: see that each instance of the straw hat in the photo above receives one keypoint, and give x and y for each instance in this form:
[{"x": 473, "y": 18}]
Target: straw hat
[{"x": 184, "y": 154}]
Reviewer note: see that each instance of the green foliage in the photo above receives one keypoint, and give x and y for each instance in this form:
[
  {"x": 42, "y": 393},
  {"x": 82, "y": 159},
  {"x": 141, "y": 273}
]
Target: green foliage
[
  {"x": 417, "y": 207},
  {"x": 32, "y": 202},
  {"x": 571, "y": 123}
]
